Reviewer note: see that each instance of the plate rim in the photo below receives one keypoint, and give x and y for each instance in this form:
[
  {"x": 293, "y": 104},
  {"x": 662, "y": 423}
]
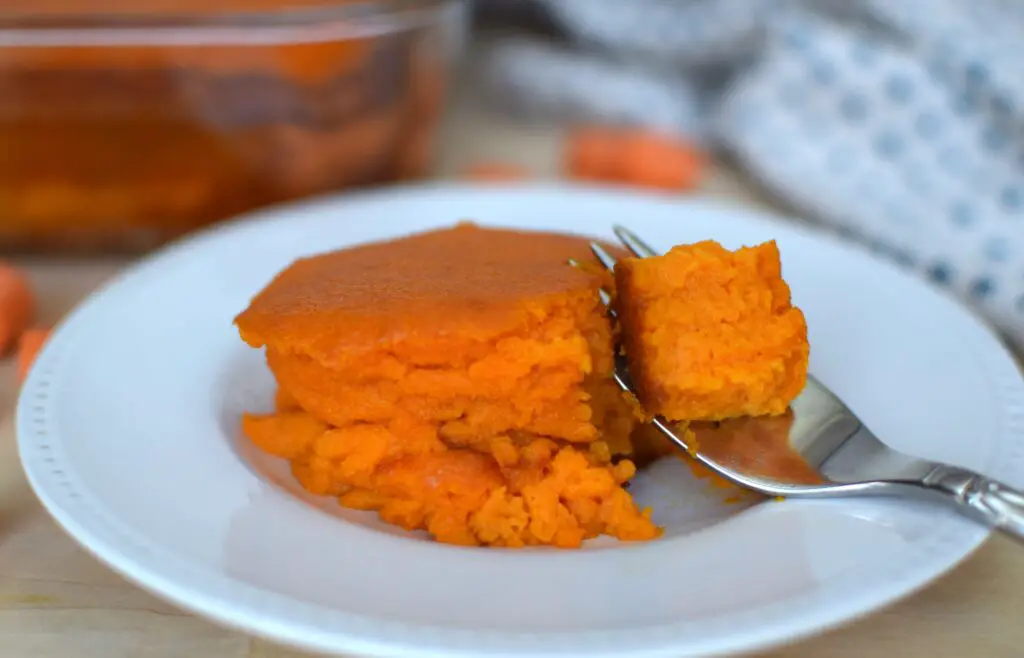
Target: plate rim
[{"x": 958, "y": 546}]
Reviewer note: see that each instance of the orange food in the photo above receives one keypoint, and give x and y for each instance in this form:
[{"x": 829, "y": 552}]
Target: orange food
[
  {"x": 121, "y": 146},
  {"x": 512, "y": 337},
  {"x": 495, "y": 171},
  {"x": 650, "y": 445},
  {"x": 540, "y": 493},
  {"x": 29, "y": 345},
  {"x": 456, "y": 381},
  {"x": 710, "y": 333},
  {"x": 634, "y": 157},
  {"x": 17, "y": 306}
]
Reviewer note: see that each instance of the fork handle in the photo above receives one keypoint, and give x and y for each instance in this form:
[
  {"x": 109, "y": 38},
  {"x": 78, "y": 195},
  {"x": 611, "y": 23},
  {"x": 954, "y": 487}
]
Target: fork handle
[{"x": 998, "y": 504}]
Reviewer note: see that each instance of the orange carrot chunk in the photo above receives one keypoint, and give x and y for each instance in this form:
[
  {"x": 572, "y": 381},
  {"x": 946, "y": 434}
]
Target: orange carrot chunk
[
  {"x": 495, "y": 172},
  {"x": 31, "y": 342},
  {"x": 17, "y": 306},
  {"x": 633, "y": 157},
  {"x": 593, "y": 153},
  {"x": 662, "y": 163}
]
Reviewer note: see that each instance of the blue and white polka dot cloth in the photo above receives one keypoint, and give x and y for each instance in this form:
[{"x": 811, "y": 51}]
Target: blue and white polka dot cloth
[{"x": 899, "y": 122}]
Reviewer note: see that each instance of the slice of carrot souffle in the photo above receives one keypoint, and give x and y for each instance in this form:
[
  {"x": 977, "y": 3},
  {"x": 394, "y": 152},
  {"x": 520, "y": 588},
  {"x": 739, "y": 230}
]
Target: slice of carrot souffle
[{"x": 459, "y": 381}]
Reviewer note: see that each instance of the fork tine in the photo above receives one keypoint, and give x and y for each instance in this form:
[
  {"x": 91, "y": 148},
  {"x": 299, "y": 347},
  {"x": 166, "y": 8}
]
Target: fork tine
[
  {"x": 603, "y": 256},
  {"x": 638, "y": 247},
  {"x": 604, "y": 295}
]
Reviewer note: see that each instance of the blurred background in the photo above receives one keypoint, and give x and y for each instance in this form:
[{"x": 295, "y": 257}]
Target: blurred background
[{"x": 897, "y": 125}]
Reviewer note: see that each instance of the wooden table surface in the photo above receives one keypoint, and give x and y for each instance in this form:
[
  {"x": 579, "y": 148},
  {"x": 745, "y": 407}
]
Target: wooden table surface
[{"x": 57, "y": 602}]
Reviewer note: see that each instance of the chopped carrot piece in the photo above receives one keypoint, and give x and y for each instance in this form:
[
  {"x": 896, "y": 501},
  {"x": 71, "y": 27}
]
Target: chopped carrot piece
[
  {"x": 495, "y": 172},
  {"x": 17, "y": 306},
  {"x": 662, "y": 163},
  {"x": 30, "y": 343},
  {"x": 593, "y": 153},
  {"x": 634, "y": 157}
]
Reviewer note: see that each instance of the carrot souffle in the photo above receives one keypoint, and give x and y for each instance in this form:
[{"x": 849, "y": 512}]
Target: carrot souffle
[
  {"x": 711, "y": 334},
  {"x": 458, "y": 381}
]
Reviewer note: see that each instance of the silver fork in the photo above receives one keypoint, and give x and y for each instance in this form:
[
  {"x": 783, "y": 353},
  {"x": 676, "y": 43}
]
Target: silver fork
[{"x": 851, "y": 460}]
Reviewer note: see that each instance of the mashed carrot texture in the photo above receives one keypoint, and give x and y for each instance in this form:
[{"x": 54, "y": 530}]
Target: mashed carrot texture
[
  {"x": 534, "y": 493},
  {"x": 456, "y": 381},
  {"x": 711, "y": 333}
]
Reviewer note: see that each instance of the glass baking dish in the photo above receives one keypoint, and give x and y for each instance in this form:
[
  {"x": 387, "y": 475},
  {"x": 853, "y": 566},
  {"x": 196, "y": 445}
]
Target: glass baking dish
[{"x": 121, "y": 130}]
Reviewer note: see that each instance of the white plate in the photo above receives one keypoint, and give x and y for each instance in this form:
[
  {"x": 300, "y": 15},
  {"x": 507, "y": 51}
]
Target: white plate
[{"x": 127, "y": 430}]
